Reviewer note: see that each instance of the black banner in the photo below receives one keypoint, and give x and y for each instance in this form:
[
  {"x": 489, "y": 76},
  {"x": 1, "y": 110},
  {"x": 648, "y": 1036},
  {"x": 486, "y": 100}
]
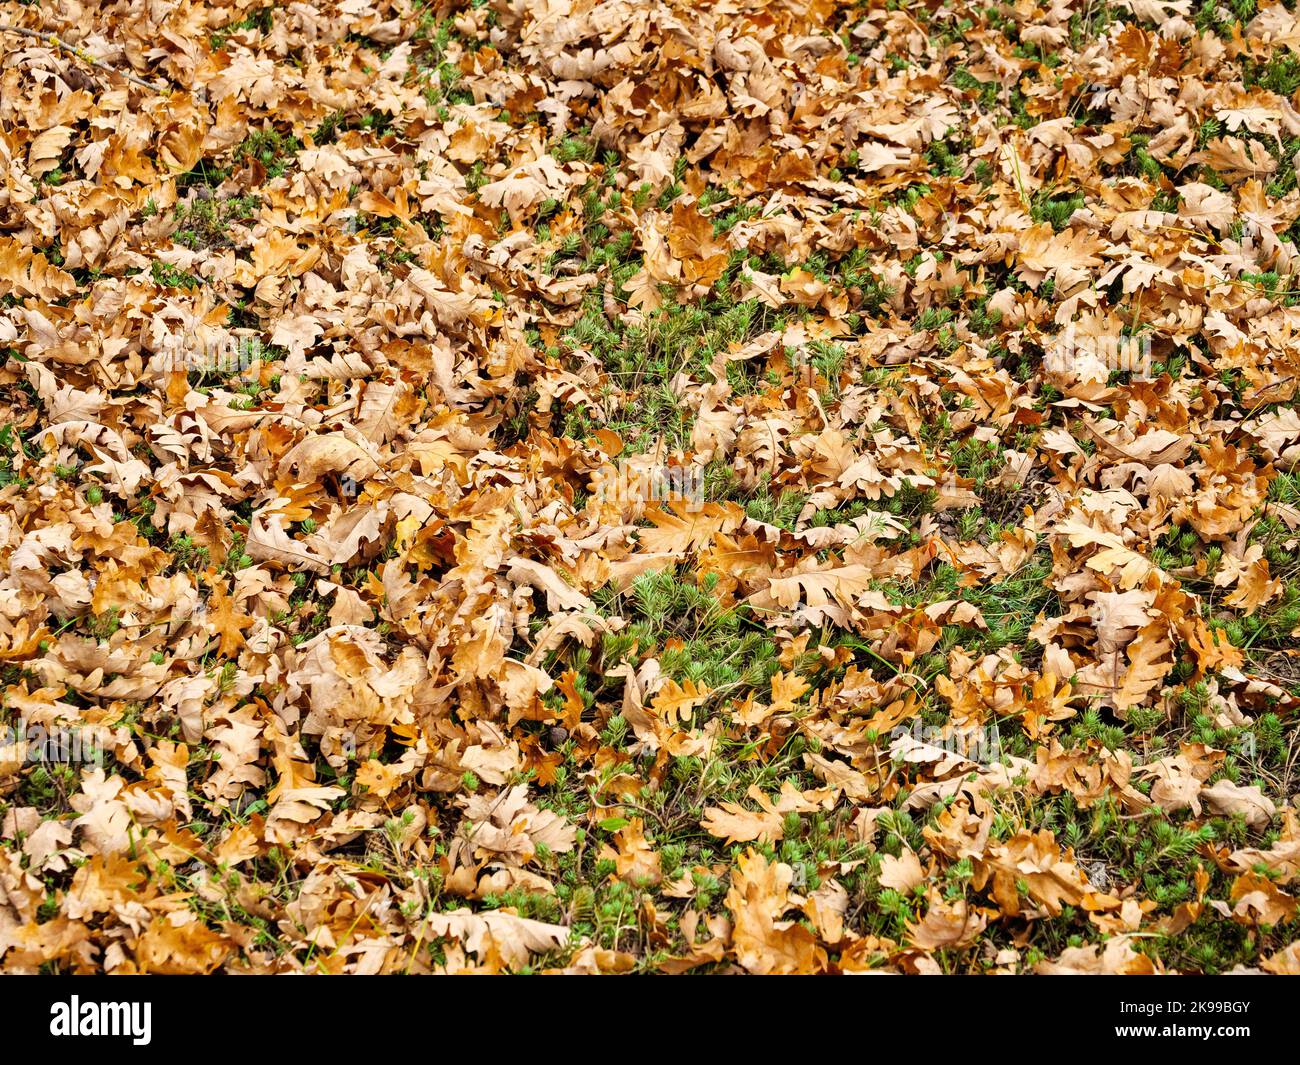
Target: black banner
[{"x": 151, "y": 1015}]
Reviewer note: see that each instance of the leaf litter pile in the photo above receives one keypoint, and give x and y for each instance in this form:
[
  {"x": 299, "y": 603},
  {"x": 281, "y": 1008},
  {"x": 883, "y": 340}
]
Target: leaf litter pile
[{"x": 632, "y": 486}]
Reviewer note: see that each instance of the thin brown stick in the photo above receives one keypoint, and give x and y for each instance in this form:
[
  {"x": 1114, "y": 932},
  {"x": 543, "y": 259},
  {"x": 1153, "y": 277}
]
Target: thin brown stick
[{"x": 57, "y": 43}]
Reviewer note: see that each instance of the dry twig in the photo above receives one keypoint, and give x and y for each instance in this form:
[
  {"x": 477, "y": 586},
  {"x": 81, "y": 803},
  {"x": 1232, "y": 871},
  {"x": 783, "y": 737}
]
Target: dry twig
[{"x": 60, "y": 45}]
